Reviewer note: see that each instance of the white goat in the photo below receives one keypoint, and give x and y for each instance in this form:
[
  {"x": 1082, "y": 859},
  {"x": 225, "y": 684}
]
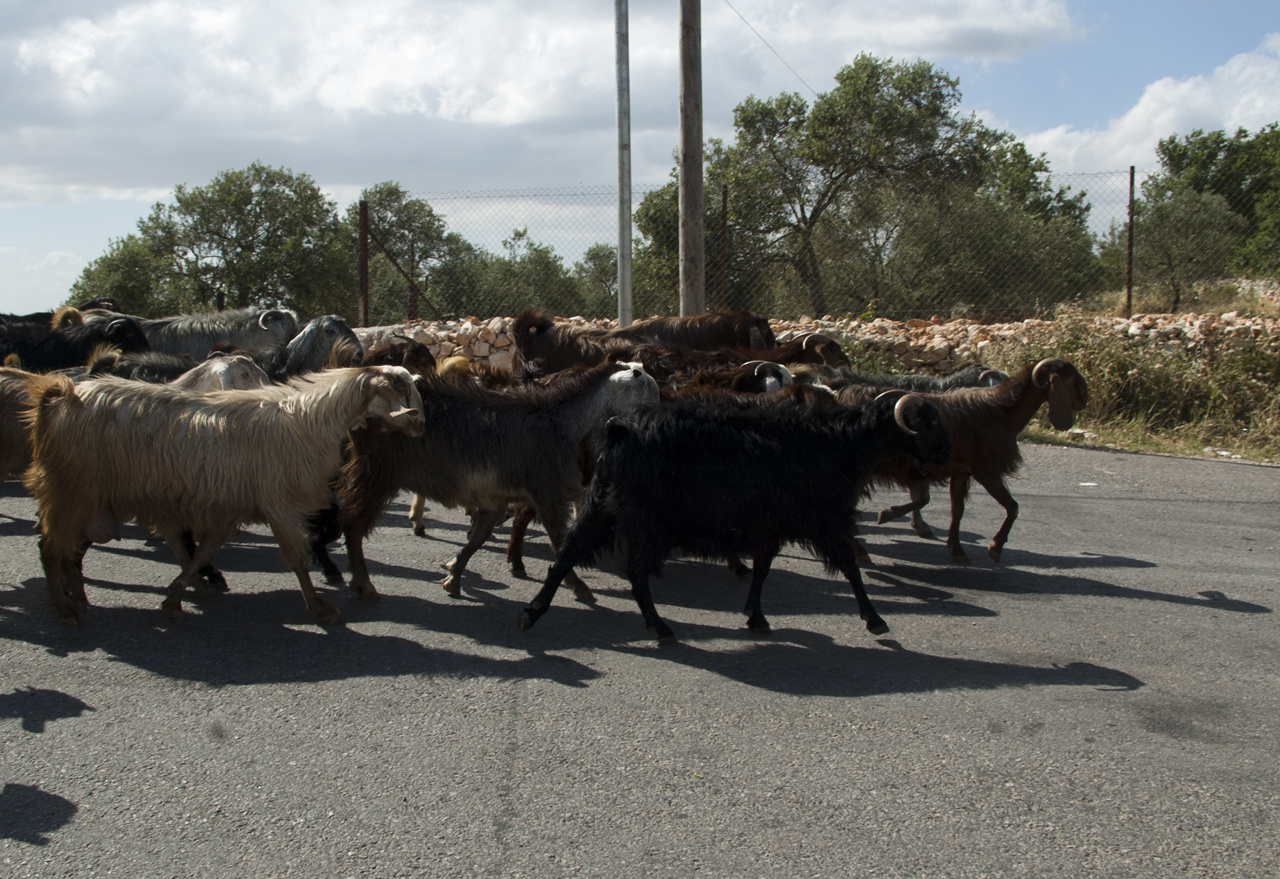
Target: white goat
[{"x": 112, "y": 450}]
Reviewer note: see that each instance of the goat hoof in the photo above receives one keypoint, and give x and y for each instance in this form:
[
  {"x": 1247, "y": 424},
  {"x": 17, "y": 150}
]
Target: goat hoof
[
  {"x": 69, "y": 618},
  {"x": 526, "y": 620},
  {"x": 217, "y": 581},
  {"x": 369, "y": 594},
  {"x": 759, "y": 627},
  {"x": 173, "y": 610},
  {"x": 885, "y": 516},
  {"x": 877, "y": 626},
  {"x": 328, "y": 615},
  {"x": 740, "y": 570},
  {"x": 995, "y": 552},
  {"x": 663, "y": 633},
  {"x": 419, "y": 531},
  {"x": 334, "y": 578},
  {"x": 958, "y": 556},
  {"x": 451, "y": 585},
  {"x": 585, "y": 595},
  {"x": 925, "y": 531},
  {"x": 518, "y": 571}
]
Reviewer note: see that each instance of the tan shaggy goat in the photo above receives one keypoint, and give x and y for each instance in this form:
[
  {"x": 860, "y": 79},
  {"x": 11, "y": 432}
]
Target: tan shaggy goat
[{"x": 112, "y": 450}]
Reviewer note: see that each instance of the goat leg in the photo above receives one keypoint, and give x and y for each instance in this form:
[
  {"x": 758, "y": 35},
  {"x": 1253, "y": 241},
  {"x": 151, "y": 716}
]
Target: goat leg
[
  {"x": 761, "y": 562},
  {"x": 59, "y": 571},
  {"x": 919, "y": 499},
  {"x": 211, "y": 576},
  {"x": 417, "y": 510},
  {"x": 293, "y": 548},
  {"x": 555, "y": 533},
  {"x": 358, "y": 570},
  {"x": 644, "y": 600},
  {"x": 515, "y": 542},
  {"x": 482, "y": 524},
  {"x": 1000, "y": 492},
  {"x": 322, "y": 529},
  {"x": 841, "y": 556},
  {"x": 205, "y": 550},
  {"x": 959, "y": 491},
  {"x": 590, "y": 532}
]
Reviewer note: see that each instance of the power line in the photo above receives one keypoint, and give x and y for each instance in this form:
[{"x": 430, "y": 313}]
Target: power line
[{"x": 771, "y": 49}]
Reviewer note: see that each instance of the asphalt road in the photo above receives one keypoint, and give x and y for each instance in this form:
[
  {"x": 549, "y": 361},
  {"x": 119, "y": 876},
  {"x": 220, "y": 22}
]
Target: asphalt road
[{"x": 1104, "y": 702}]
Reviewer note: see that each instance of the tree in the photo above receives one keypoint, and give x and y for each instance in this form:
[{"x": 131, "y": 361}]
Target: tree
[
  {"x": 529, "y": 275},
  {"x": 136, "y": 276},
  {"x": 1244, "y": 170},
  {"x": 597, "y": 277},
  {"x": 409, "y": 241},
  {"x": 258, "y": 237},
  {"x": 880, "y": 198},
  {"x": 884, "y": 125},
  {"x": 1182, "y": 236}
]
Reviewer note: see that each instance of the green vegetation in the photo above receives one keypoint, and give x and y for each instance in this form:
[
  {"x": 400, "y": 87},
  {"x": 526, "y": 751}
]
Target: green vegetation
[
  {"x": 1219, "y": 392},
  {"x": 879, "y": 198}
]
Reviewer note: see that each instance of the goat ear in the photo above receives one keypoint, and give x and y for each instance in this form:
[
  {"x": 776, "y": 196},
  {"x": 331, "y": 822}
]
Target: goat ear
[{"x": 1061, "y": 415}]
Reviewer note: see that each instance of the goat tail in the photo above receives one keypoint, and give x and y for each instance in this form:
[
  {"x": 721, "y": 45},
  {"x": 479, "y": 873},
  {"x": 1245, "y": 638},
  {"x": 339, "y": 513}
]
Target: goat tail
[
  {"x": 45, "y": 390},
  {"x": 66, "y": 316}
]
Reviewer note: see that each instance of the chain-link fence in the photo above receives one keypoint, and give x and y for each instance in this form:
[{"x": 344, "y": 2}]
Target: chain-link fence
[{"x": 945, "y": 252}]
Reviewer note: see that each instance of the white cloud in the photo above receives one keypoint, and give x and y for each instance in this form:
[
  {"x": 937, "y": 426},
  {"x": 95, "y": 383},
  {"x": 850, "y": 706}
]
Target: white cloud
[
  {"x": 978, "y": 30},
  {"x": 1243, "y": 92}
]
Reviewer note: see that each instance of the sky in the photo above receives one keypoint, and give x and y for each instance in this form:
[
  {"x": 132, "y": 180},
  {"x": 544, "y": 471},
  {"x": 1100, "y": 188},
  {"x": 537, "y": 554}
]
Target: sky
[{"x": 109, "y": 104}]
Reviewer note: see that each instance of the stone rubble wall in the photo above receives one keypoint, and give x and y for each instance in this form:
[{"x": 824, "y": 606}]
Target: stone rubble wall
[{"x": 934, "y": 346}]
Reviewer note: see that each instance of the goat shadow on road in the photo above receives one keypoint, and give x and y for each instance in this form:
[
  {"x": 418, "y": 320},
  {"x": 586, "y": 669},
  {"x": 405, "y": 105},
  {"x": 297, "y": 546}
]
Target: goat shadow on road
[
  {"x": 800, "y": 662},
  {"x": 28, "y": 813},
  {"x": 37, "y": 707},
  {"x": 267, "y": 638}
]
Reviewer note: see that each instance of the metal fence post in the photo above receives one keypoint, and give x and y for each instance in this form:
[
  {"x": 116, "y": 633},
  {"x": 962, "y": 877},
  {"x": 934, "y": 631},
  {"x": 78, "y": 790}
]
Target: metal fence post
[{"x": 1128, "y": 272}]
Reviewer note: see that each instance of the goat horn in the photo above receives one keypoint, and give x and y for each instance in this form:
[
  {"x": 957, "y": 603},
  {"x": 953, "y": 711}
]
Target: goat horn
[
  {"x": 1053, "y": 363},
  {"x": 900, "y": 411},
  {"x": 784, "y": 374}
]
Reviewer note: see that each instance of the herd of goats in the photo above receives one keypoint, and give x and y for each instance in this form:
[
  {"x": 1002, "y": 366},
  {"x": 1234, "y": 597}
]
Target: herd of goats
[{"x": 701, "y": 435}]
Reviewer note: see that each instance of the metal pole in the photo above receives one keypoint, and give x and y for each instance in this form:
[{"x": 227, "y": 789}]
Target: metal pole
[
  {"x": 724, "y": 243},
  {"x": 693, "y": 257},
  {"x": 624, "y": 164},
  {"x": 1128, "y": 272},
  {"x": 362, "y": 265}
]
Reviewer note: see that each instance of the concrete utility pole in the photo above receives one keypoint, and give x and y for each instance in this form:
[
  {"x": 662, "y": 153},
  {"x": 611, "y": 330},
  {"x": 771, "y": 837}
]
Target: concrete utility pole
[
  {"x": 693, "y": 257},
  {"x": 362, "y": 265},
  {"x": 624, "y": 164}
]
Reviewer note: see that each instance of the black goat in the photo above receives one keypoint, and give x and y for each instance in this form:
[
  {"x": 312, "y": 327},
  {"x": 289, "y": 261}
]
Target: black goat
[
  {"x": 717, "y": 481},
  {"x": 485, "y": 451},
  {"x": 40, "y": 349}
]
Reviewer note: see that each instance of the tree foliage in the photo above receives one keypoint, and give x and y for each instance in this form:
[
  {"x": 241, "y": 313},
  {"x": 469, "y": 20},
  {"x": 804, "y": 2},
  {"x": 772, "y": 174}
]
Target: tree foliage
[
  {"x": 879, "y": 197},
  {"x": 1243, "y": 170},
  {"x": 408, "y": 246},
  {"x": 258, "y": 236}
]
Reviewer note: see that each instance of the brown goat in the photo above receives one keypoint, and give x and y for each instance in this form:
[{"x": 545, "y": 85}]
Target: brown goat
[
  {"x": 559, "y": 346},
  {"x": 15, "y": 435},
  {"x": 112, "y": 450},
  {"x": 984, "y": 424}
]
